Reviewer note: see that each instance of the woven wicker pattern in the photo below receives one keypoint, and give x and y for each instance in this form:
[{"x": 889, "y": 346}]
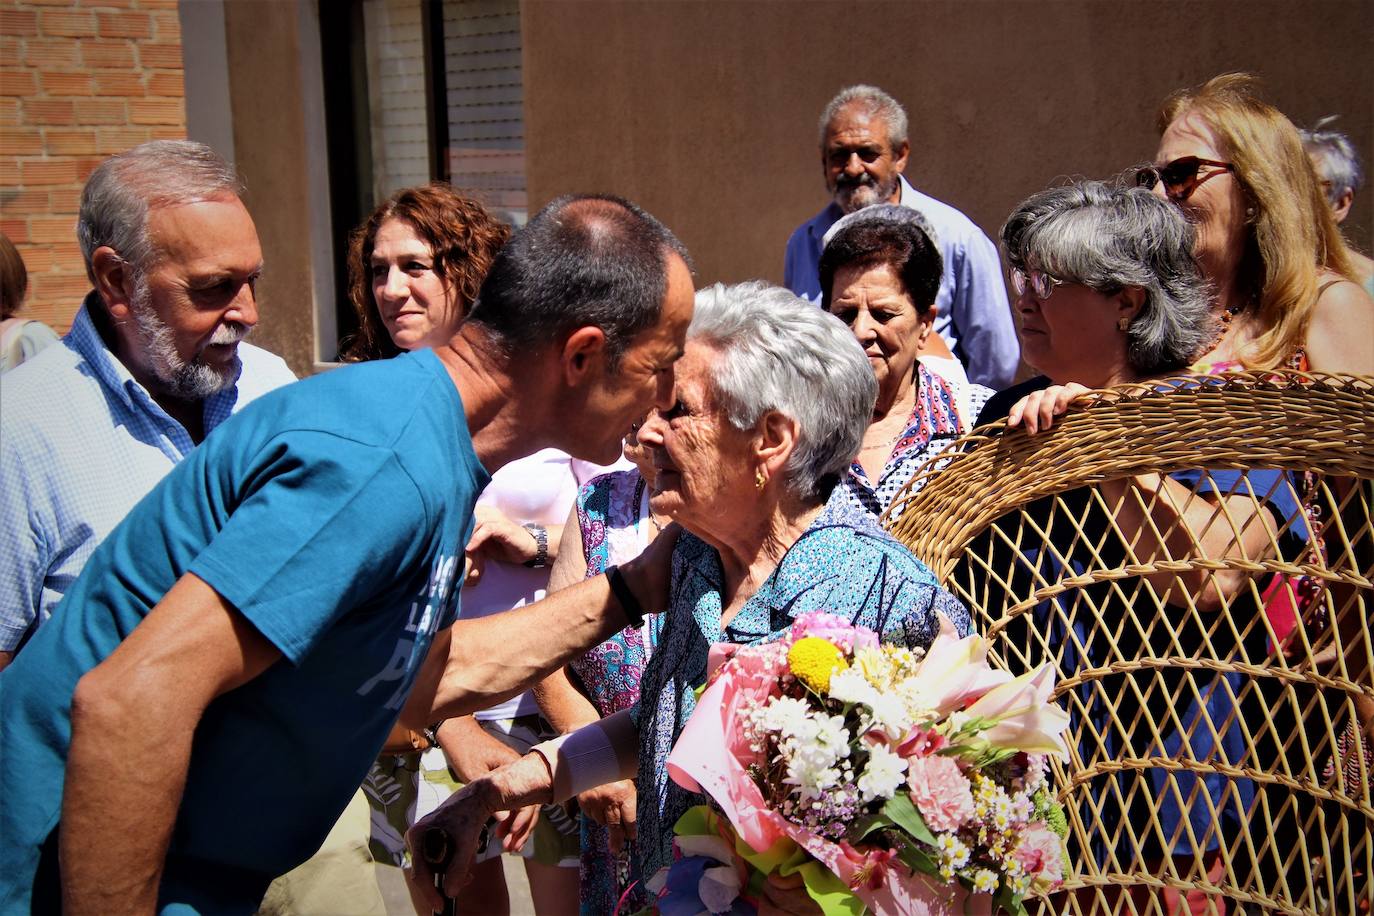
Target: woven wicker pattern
[{"x": 1206, "y": 752}]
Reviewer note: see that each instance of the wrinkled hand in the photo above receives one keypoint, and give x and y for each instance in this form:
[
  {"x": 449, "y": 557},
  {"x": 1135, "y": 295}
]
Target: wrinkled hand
[
  {"x": 461, "y": 819},
  {"x": 613, "y": 806},
  {"x": 471, "y": 752},
  {"x": 1037, "y": 410},
  {"x": 518, "y": 785},
  {"x": 496, "y": 537},
  {"x": 787, "y": 895}
]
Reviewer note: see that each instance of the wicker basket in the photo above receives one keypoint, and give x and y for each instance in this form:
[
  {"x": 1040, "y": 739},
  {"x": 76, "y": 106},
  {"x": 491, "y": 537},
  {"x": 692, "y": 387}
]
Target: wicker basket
[{"x": 1210, "y": 755}]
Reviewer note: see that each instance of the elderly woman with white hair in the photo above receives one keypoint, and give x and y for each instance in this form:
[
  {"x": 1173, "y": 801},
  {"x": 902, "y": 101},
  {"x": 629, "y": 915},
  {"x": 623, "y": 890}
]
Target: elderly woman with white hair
[{"x": 773, "y": 397}]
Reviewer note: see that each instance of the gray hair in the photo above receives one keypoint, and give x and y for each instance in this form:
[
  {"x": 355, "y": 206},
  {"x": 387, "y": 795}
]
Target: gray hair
[
  {"x": 1111, "y": 238},
  {"x": 1335, "y": 158},
  {"x": 123, "y": 188},
  {"x": 879, "y": 214},
  {"x": 876, "y": 104},
  {"x": 779, "y": 352}
]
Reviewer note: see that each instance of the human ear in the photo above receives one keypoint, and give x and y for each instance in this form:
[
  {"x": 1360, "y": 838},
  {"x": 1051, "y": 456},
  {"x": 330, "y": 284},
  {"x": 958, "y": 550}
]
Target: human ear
[
  {"x": 899, "y": 156},
  {"x": 775, "y": 439},
  {"x": 582, "y": 351},
  {"x": 1342, "y": 208},
  {"x": 1129, "y": 303},
  {"x": 925, "y": 323},
  {"x": 114, "y": 281}
]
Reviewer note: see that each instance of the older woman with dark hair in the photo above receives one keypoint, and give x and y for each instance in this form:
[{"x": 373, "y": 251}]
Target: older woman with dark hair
[
  {"x": 773, "y": 397},
  {"x": 880, "y": 273}
]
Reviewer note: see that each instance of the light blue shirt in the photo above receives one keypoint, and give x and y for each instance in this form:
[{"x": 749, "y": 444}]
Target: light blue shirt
[
  {"x": 80, "y": 443},
  {"x": 972, "y": 313}
]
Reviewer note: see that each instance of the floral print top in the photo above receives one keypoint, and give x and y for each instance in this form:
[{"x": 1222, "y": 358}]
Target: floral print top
[{"x": 934, "y": 423}]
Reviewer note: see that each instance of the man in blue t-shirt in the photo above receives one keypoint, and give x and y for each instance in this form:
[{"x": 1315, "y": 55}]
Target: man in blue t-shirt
[{"x": 210, "y": 693}]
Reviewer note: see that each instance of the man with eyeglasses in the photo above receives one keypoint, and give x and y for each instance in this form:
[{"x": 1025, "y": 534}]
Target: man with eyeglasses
[{"x": 864, "y": 150}]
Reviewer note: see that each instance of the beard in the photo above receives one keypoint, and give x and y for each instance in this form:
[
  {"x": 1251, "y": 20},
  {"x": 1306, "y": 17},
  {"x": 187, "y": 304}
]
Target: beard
[
  {"x": 853, "y": 194},
  {"x": 185, "y": 380}
]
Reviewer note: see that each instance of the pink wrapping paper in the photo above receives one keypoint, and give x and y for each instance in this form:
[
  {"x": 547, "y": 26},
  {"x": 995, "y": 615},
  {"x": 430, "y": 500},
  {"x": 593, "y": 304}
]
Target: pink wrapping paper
[{"x": 706, "y": 758}]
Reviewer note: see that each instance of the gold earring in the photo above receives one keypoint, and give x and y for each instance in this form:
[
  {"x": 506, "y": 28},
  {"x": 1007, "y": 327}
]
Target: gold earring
[
  {"x": 1123, "y": 323},
  {"x": 759, "y": 479}
]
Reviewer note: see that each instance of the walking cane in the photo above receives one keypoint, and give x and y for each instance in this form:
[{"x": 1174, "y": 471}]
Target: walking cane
[{"x": 437, "y": 848}]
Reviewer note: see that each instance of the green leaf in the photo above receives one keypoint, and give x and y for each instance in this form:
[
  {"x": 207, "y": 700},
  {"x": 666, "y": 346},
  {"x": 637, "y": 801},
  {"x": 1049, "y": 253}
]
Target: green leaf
[
  {"x": 831, "y": 894},
  {"x": 868, "y": 825},
  {"x": 904, "y": 814},
  {"x": 1010, "y": 902},
  {"x": 917, "y": 860}
]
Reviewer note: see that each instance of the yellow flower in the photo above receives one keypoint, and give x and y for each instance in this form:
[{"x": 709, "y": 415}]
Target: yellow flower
[{"x": 813, "y": 660}]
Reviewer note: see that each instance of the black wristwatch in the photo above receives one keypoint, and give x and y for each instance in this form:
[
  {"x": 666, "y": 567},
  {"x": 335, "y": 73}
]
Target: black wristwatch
[{"x": 541, "y": 545}]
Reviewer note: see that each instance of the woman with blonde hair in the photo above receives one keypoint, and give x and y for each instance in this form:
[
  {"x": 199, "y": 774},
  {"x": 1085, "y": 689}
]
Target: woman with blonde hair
[{"x": 1283, "y": 287}]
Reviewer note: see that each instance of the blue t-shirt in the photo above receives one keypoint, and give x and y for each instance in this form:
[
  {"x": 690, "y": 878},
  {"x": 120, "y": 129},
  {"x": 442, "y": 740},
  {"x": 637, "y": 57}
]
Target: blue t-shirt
[{"x": 332, "y": 514}]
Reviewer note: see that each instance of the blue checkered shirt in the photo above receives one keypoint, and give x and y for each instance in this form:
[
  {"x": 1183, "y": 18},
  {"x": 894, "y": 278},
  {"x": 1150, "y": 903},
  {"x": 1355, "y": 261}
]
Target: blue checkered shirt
[{"x": 80, "y": 443}]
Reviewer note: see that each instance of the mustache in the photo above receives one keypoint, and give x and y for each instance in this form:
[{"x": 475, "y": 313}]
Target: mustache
[
  {"x": 860, "y": 181},
  {"x": 231, "y": 332}
]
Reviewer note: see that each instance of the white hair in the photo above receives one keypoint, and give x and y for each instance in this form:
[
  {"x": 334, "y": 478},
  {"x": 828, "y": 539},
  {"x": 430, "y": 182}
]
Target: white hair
[
  {"x": 123, "y": 188},
  {"x": 1110, "y": 238},
  {"x": 876, "y": 104},
  {"x": 780, "y": 352},
  {"x": 1335, "y": 159}
]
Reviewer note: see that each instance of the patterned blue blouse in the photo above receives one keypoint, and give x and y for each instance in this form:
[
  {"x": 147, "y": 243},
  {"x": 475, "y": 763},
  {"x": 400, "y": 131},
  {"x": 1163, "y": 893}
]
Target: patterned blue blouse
[{"x": 843, "y": 563}]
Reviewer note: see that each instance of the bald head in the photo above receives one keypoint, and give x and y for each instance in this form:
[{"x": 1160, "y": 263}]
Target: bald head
[{"x": 581, "y": 261}]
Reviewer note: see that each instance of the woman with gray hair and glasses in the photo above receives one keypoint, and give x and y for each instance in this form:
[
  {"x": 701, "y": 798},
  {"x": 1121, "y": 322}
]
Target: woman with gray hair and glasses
[
  {"x": 1108, "y": 292},
  {"x": 773, "y": 397}
]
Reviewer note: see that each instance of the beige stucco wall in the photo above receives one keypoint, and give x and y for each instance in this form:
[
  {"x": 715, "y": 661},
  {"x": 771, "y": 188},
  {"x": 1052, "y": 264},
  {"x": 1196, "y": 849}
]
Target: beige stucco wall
[
  {"x": 263, "y": 47},
  {"x": 705, "y": 112}
]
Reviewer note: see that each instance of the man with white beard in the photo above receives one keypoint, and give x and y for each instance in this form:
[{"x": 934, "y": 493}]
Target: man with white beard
[
  {"x": 864, "y": 150},
  {"x": 154, "y": 361}
]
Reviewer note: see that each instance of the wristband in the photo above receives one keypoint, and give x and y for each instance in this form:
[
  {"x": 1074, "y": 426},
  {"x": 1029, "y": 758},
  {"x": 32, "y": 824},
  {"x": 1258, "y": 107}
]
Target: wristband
[
  {"x": 541, "y": 545},
  {"x": 579, "y": 761},
  {"x": 634, "y": 611}
]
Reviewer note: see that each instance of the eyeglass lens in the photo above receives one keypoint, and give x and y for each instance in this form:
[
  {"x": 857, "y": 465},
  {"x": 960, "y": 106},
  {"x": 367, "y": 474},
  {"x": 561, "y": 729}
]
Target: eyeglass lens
[{"x": 1040, "y": 284}]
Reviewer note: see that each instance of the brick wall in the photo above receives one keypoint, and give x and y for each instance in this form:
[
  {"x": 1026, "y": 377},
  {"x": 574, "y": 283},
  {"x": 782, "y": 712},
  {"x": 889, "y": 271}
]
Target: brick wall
[{"x": 79, "y": 79}]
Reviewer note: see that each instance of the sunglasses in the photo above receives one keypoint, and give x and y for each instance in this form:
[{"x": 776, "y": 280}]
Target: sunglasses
[
  {"x": 1038, "y": 282},
  {"x": 1180, "y": 177}
]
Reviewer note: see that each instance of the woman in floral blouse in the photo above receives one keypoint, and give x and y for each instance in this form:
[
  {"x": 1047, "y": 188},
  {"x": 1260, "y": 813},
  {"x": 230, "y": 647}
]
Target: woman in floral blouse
[{"x": 880, "y": 272}]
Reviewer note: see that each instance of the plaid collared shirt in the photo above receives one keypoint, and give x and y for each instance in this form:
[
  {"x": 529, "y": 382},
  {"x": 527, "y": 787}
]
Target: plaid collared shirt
[{"x": 80, "y": 443}]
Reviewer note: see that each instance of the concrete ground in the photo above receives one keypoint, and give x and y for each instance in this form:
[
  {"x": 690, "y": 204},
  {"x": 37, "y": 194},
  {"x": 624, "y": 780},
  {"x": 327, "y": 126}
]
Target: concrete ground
[{"x": 397, "y": 899}]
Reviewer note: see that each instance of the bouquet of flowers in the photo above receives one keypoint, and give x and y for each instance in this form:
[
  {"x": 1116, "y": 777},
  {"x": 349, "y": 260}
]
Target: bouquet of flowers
[{"x": 888, "y": 779}]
